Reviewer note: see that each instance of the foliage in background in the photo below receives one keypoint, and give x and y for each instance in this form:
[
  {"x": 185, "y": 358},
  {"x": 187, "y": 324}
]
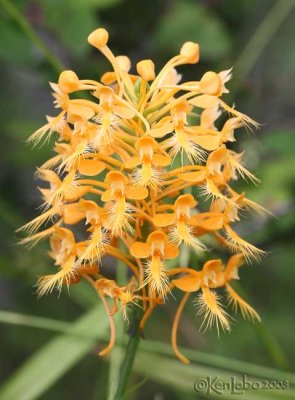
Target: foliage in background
[{"x": 267, "y": 92}]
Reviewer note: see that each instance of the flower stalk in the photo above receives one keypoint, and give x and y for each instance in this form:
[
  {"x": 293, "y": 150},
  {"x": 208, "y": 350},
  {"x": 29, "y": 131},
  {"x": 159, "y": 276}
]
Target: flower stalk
[{"x": 130, "y": 354}]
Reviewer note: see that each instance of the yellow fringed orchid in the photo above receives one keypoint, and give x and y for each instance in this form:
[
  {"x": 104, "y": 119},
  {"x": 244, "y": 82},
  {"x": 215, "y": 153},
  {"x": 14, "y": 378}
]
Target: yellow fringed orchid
[{"x": 113, "y": 184}]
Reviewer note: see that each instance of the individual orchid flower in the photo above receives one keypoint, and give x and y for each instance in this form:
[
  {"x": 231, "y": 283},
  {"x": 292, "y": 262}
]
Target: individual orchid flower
[
  {"x": 179, "y": 222},
  {"x": 118, "y": 190},
  {"x": 149, "y": 160},
  {"x": 156, "y": 249},
  {"x": 214, "y": 275}
]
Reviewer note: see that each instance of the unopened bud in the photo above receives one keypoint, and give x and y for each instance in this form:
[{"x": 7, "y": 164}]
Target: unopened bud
[
  {"x": 211, "y": 84},
  {"x": 124, "y": 63},
  {"x": 68, "y": 81},
  {"x": 146, "y": 69},
  {"x": 98, "y": 38},
  {"x": 191, "y": 52}
]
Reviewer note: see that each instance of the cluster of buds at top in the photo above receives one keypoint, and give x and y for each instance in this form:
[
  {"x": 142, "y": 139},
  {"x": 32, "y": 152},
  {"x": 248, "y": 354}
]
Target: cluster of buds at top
[{"x": 142, "y": 169}]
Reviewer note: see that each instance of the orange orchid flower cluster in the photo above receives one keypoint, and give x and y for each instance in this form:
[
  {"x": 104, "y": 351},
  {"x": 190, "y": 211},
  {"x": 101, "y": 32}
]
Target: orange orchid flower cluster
[{"x": 140, "y": 171}]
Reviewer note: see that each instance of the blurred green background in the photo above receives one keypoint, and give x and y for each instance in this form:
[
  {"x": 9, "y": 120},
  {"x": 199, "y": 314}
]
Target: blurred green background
[{"x": 38, "y": 359}]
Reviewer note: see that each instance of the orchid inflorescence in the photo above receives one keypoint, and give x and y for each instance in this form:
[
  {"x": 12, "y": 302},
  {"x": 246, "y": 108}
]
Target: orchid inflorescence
[{"x": 127, "y": 164}]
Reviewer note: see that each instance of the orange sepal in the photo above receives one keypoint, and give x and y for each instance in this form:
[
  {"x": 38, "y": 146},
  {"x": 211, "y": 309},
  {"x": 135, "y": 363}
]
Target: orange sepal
[
  {"x": 207, "y": 142},
  {"x": 107, "y": 196},
  {"x": 81, "y": 110},
  {"x": 132, "y": 162},
  {"x": 231, "y": 270},
  {"x": 72, "y": 213},
  {"x": 123, "y": 112},
  {"x": 137, "y": 193},
  {"x": 171, "y": 251},
  {"x": 164, "y": 219},
  {"x": 204, "y": 101},
  {"x": 140, "y": 250},
  {"x": 161, "y": 131},
  {"x": 74, "y": 194},
  {"x": 189, "y": 282},
  {"x": 91, "y": 167},
  {"x": 160, "y": 160},
  {"x": 208, "y": 221},
  {"x": 108, "y": 78},
  {"x": 194, "y": 177}
]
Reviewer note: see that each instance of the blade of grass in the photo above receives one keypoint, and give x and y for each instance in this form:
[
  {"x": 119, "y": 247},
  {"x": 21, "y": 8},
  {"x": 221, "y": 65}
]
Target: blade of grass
[
  {"x": 269, "y": 340},
  {"x": 24, "y": 25},
  {"x": 262, "y": 36},
  {"x": 34, "y": 377},
  {"x": 273, "y": 346},
  {"x": 148, "y": 346},
  {"x": 182, "y": 377},
  {"x": 33, "y": 322},
  {"x": 227, "y": 364}
]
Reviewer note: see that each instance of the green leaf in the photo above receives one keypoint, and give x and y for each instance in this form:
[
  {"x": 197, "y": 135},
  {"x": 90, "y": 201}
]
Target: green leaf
[
  {"x": 192, "y": 21},
  {"x": 48, "y": 364},
  {"x": 182, "y": 377}
]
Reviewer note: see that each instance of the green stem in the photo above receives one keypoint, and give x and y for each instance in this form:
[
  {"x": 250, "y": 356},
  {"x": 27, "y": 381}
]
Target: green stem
[
  {"x": 15, "y": 14},
  {"x": 262, "y": 36},
  {"x": 130, "y": 353},
  {"x": 116, "y": 353}
]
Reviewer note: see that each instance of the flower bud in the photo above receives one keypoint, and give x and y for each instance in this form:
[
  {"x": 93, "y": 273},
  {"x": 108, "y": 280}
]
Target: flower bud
[
  {"x": 124, "y": 63},
  {"x": 98, "y": 38},
  {"x": 191, "y": 52},
  {"x": 146, "y": 69},
  {"x": 211, "y": 84},
  {"x": 68, "y": 81}
]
